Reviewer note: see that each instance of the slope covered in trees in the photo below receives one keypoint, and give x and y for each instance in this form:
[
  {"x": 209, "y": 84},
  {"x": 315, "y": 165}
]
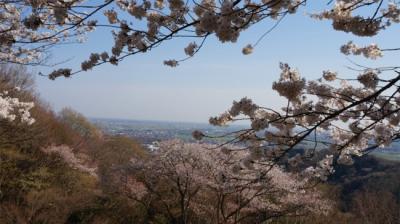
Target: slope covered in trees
[
  {"x": 62, "y": 169},
  {"x": 48, "y": 169}
]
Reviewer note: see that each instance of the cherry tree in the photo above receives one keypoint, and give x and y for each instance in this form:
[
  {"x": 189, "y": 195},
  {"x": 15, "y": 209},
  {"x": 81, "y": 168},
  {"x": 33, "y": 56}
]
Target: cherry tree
[
  {"x": 11, "y": 109},
  {"x": 15, "y": 108},
  {"x": 218, "y": 186}
]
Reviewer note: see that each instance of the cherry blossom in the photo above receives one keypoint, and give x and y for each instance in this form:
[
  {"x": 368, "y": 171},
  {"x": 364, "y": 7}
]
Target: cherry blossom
[
  {"x": 325, "y": 122},
  {"x": 139, "y": 26},
  {"x": 12, "y": 108}
]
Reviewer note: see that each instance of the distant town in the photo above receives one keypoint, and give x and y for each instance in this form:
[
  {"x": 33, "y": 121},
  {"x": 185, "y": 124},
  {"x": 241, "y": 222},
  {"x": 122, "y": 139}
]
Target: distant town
[{"x": 149, "y": 133}]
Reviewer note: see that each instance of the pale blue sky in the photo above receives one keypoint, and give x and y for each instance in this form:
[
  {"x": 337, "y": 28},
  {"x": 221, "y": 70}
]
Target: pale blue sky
[{"x": 142, "y": 88}]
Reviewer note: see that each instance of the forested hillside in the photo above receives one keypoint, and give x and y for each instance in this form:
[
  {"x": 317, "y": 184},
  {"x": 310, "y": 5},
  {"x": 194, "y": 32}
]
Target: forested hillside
[
  {"x": 51, "y": 170},
  {"x": 63, "y": 169}
]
